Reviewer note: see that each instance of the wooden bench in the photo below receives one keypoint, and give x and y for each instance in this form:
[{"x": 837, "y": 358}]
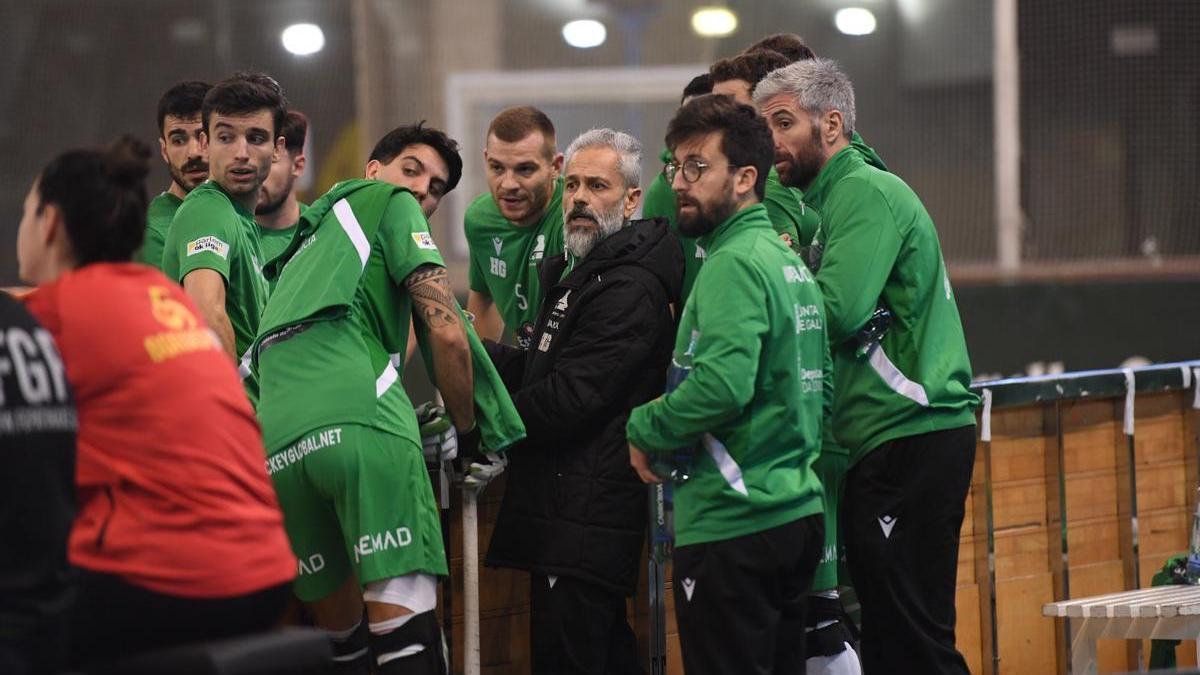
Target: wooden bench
[{"x": 1163, "y": 612}]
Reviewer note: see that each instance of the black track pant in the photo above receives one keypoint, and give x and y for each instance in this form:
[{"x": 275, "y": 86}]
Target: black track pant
[
  {"x": 740, "y": 602},
  {"x": 578, "y": 628},
  {"x": 901, "y": 515}
]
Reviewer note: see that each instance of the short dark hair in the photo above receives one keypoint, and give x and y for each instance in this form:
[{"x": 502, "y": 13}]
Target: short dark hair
[
  {"x": 745, "y": 138},
  {"x": 237, "y": 96},
  {"x": 699, "y": 86},
  {"x": 750, "y": 67},
  {"x": 395, "y": 141},
  {"x": 102, "y": 196},
  {"x": 514, "y": 124},
  {"x": 789, "y": 44},
  {"x": 294, "y": 131},
  {"x": 261, "y": 78},
  {"x": 183, "y": 99}
]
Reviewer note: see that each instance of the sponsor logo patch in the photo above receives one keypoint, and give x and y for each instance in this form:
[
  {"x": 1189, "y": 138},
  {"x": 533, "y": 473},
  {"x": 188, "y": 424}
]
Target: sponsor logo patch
[
  {"x": 424, "y": 241},
  {"x": 369, "y": 544},
  {"x": 689, "y": 587},
  {"x": 796, "y": 274},
  {"x": 208, "y": 244},
  {"x": 314, "y": 564}
]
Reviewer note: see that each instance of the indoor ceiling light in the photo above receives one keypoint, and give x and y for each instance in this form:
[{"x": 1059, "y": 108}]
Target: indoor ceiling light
[
  {"x": 303, "y": 39},
  {"x": 714, "y": 21},
  {"x": 584, "y": 33},
  {"x": 854, "y": 21}
]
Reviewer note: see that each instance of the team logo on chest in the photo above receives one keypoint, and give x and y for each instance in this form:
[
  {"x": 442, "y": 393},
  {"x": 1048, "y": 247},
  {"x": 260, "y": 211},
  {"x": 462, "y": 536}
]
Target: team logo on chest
[
  {"x": 498, "y": 266},
  {"x": 539, "y": 249},
  {"x": 553, "y": 322},
  {"x": 562, "y": 302}
]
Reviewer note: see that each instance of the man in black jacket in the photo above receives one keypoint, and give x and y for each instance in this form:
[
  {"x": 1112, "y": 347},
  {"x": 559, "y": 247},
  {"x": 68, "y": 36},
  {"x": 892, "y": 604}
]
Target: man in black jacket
[{"x": 574, "y": 511}]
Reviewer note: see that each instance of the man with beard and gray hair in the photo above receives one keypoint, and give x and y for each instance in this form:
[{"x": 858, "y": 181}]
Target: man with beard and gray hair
[
  {"x": 902, "y": 404},
  {"x": 573, "y": 513}
]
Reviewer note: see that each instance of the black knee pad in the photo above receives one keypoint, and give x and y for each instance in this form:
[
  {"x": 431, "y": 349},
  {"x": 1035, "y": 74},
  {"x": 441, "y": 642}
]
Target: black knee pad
[
  {"x": 422, "y": 629},
  {"x": 821, "y": 609},
  {"x": 830, "y": 640},
  {"x": 350, "y": 655}
]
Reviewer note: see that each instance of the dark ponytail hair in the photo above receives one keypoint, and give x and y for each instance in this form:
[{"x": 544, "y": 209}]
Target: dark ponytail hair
[{"x": 102, "y": 196}]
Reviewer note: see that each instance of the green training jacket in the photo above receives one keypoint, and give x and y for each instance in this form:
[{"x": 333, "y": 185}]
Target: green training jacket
[
  {"x": 879, "y": 242},
  {"x": 752, "y": 335}
]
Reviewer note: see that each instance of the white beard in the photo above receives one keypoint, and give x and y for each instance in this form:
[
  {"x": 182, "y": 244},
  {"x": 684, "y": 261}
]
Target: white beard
[{"x": 581, "y": 241}]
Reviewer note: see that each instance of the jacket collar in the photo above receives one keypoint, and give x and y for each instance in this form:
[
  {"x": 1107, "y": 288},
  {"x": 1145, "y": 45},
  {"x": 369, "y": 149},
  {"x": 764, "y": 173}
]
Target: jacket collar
[
  {"x": 842, "y": 163},
  {"x": 749, "y": 217},
  {"x": 629, "y": 244}
]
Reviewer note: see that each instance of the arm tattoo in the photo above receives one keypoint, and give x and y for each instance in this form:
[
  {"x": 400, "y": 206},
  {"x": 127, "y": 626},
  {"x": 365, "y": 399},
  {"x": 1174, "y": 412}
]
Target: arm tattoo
[{"x": 429, "y": 286}]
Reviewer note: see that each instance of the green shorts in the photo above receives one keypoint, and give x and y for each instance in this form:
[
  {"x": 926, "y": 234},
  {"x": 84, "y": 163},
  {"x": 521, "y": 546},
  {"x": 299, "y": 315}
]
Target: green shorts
[
  {"x": 831, "y": 468},
  {"x": 356, "y": 499}
]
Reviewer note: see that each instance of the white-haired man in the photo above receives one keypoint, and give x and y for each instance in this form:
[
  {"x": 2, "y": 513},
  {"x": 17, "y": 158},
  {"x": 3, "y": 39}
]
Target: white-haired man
[
  {"x": 573, "y": 509},
  {"x": 901, "y": 400}
]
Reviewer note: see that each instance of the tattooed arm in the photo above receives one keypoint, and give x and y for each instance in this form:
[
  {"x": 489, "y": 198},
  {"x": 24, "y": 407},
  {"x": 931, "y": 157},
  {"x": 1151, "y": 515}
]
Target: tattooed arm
[{"x": 434, "y": 305}]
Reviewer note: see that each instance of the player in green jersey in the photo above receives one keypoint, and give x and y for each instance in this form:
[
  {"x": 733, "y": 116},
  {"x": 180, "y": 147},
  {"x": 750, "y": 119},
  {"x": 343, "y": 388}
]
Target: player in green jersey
[
  {"x": 342, "y": 440},
  {"x": 902, "y": 403},
  {"x": 179, "y": 143},
  {"x": 658, "y": 200},
  {"x": 511, "y": 229},
  {"x": 278, "y": 210},
  {"x": 752, "y": 338},
  {"x": 212, "y": 247}
]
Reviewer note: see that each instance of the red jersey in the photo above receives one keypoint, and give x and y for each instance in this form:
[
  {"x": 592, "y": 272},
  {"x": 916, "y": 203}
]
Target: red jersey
[{"x": 171, "y": 479}]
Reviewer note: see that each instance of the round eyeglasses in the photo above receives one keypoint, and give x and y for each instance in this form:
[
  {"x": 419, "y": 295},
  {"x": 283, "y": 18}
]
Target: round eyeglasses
[{"x": 692, "y": 170}]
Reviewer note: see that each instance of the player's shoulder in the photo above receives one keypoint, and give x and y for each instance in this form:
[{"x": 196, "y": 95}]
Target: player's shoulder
[
  {"x": 867, "y": 189},
  {"x": 482, "y": 212},
  {"x": 362, "y": 191},
  {"x": 207, "y": 202},
  {"x": 402, "y": 198},
  {"x": 40, "y": 305},
  {"x": 89, "y": 297},
  {"x": 207, "y": 192},
  {"x": 164, "y": 205}
]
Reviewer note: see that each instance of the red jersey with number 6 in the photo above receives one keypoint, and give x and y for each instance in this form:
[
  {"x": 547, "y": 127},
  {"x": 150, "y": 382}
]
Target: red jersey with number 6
[{"x": 172, "y": 487}]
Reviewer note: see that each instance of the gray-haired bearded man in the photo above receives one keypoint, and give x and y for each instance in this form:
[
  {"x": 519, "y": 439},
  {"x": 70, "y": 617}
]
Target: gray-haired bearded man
[{"x": 574, "y": 511}]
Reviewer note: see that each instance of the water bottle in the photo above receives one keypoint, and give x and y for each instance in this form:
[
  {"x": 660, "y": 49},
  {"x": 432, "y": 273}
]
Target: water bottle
[{"x": 1193, "y": 558}]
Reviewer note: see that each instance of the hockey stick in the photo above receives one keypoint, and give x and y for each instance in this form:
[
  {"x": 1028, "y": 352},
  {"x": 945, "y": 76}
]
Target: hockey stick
[
  {"x": 660, "y": 541},
  {"x": 470, "y": 522}
]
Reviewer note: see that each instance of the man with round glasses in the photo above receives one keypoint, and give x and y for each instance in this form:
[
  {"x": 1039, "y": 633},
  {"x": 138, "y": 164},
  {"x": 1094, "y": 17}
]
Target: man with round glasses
[{"x": 748, "y": 525}]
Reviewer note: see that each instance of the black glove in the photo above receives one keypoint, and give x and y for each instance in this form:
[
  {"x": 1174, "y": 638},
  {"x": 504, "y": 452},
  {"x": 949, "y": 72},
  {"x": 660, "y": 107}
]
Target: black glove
[{"x": 468, "y": 445}]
